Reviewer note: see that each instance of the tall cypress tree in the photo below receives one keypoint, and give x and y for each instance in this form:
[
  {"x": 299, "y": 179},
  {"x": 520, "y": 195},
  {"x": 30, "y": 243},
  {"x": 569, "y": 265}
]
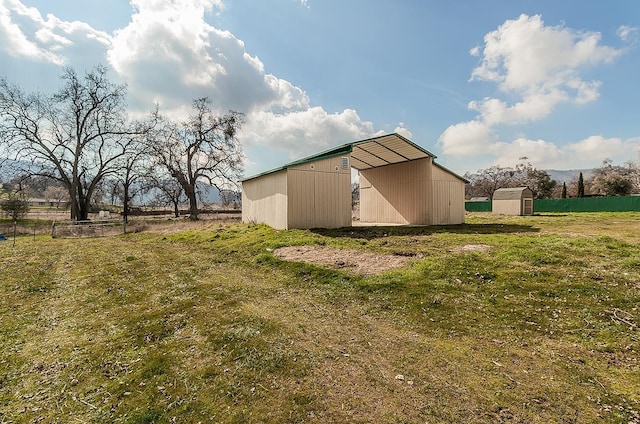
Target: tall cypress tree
[
  {"x": 580, "y": 186},
  {"x": 564, "y": 190}
]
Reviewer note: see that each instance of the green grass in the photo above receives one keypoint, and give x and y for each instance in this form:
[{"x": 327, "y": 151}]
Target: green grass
[{"x": 206, "y": 325}]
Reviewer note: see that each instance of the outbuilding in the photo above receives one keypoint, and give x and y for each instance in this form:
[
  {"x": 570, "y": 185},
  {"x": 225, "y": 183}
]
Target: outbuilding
[
  {"x": 399, "y": 184},
  {"x": 512, "y": 201}
]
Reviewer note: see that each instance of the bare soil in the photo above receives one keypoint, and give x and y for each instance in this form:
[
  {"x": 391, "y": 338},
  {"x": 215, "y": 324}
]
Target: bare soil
[{"x": 356, "y": 261}]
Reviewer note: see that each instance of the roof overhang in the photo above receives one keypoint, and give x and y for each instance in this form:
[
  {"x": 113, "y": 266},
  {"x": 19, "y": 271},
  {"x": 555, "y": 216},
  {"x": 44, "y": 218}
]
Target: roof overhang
[
  {"x": 385, "y": 150},
  {"x": 370, "y": 153}
]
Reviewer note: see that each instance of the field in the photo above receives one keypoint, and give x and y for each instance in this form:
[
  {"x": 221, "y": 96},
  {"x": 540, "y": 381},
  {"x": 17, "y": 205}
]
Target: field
[{"x": 503, "y": 319}]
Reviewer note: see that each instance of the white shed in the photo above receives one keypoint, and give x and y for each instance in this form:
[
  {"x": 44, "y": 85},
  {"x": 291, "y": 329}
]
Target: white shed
[
  {"x": 399, "y": 184},
  {"x": 512, "y": 201}
]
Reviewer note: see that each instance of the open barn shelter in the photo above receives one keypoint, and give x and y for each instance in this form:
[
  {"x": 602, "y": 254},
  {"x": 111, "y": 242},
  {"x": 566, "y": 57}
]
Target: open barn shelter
[{"x": 399, "y": 184}]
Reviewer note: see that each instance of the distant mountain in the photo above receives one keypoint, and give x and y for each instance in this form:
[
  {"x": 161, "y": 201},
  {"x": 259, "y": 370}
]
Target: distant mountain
[
  {"x": 209, "y": 193},
  {"x": 569, "y": 175}
]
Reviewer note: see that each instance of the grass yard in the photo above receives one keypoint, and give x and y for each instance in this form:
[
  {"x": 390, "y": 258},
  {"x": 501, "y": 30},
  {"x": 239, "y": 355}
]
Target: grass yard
[{"x": 518, "y": 320}]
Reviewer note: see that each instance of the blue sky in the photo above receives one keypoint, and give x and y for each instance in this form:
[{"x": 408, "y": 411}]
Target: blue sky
[{"x": 477, "y": 83}]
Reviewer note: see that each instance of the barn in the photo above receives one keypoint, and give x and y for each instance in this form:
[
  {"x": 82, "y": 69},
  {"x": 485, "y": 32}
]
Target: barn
[
  {"x": 512, "y": 201},
  {"x": 399, "y": 184}
]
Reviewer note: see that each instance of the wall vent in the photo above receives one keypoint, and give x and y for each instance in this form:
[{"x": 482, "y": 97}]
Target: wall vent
[{"x": 344, "y": 161}]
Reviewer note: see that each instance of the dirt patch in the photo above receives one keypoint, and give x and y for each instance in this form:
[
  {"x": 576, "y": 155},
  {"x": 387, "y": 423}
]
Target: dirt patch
[
  {"x": 471, "y": 248},
  {"x": 356, "y": 261}
]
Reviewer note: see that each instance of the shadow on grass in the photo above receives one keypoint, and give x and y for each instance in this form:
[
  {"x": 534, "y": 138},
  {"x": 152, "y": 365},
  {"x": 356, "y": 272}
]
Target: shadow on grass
[{"x": 374, "y": 232}]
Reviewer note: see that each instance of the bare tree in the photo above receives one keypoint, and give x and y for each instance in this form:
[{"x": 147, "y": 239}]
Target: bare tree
[
  {"x": 486, "y": 181},
  {"x": 537, "y": 180},
  {"x": 57, "y": 194},
  {"x": 202, "y": 149},
  {"x": 75, "y": 136},
  {"x": 229, "y": 197},
  {"x": 133, "y": 171},
  {"x": 165, "y": 191}
]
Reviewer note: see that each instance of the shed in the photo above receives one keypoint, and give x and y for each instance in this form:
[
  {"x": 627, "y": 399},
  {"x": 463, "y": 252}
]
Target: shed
[
  {"x": 513, "y": 201},
  {"x": 399, "y": 184}
]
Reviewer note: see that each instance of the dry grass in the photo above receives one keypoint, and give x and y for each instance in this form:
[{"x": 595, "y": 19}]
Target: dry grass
[{"x": 205, "y": 324}]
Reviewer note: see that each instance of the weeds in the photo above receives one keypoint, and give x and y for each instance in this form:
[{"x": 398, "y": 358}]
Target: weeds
[{"x": 206, "y": 325}]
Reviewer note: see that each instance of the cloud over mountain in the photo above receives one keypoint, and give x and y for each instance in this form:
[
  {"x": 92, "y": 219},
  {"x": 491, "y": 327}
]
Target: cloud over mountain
[{"x": 535, "y": 69}]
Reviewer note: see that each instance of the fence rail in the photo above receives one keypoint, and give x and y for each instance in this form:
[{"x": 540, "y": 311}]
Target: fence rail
[{"x": 582, "y": 204}]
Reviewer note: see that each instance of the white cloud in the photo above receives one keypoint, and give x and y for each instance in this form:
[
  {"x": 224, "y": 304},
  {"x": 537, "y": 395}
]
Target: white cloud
[
  {"x": 537, "y": 152},
  {"x": 628, "y": 33},
  {"x": 535, "y": 68},
  {"x": 524, "y": 54},
  {"x": 538, "y": 64},
  {"x": 304, "y": 132},
  {"x": 599, "y": 147},
  {"x": 24, "y": 32},
  {"x": 466, "y": 138},
  {"x": 169, "y": 54},
  {"x": 586, "y": 153},
  {"x": 400, "y": 129}
]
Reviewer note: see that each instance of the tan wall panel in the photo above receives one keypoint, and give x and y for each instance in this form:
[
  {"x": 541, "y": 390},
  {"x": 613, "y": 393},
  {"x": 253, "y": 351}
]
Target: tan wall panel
[
  {"x": 333, "y": 164},
  {"x": 507, "y": 207},
  {"x": 397, "y": 193},
  {"x": 264, "y": 200},
  {"x": 332, "y": 200},
  {"x": 448, "y": 202},
  {"x": 301, "y": 185},
  {"x": 444, "y": 175},
  {"x": 319, "y": 197}
]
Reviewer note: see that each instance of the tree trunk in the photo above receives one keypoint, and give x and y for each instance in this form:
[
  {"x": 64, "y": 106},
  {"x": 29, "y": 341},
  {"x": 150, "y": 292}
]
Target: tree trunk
[
  {"x": 125, "y": 206},
  {"x": 193, "y": 205},
  {"x": 84, "y": 210},
  {"x": 176, "y": 209}
]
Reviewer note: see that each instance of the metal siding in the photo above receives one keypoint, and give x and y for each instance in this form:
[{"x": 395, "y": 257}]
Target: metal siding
[
  {"x": 512, "y": 193},
  {"x": 448, "y": 198},
  {"x": 264, "y": 200},
  {"x": 397, "y": 193},
  {"x": 507, "y": 207},
  {"x": 379, "y": 151},
  {"x": 441, "y": 174},
  {"x": 319, "y": 197},
  {"x": 448, "y": 202}
]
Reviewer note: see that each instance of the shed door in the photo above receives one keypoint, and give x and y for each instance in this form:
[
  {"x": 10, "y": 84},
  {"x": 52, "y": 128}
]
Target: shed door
[{"x": 528, "y": 207}]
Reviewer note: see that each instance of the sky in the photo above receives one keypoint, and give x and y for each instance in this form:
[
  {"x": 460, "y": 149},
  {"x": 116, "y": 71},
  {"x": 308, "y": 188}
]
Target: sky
[{"x": 477, "y": 83}]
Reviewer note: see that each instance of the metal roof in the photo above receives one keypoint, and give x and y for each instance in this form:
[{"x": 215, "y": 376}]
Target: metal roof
[
  {"x": 373, "y": 152},
  {"x": 385, "y": 150},
  {"x": 515, "y": 193}
]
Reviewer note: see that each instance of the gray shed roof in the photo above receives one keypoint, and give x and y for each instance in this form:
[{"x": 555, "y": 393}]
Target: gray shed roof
[
  {"x": 370, "y": 153},
  {"x": 515, "y": 193}
]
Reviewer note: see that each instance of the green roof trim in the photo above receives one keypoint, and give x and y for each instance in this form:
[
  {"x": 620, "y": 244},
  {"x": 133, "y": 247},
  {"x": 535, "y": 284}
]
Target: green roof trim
[
  {"x": 330, "y": 153},
  {"x": 345, "y": 149},
  {"x": 336, "y": 151}
]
